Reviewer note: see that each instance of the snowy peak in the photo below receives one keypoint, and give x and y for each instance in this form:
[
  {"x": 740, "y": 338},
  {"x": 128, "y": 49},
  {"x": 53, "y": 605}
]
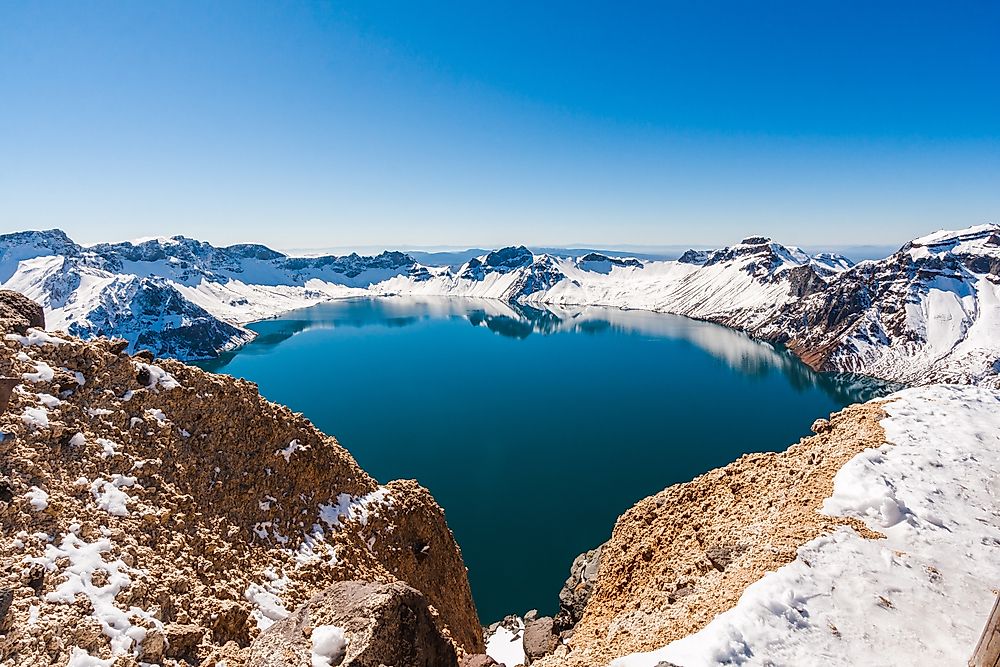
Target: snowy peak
[
  {"x": 977, "y": 248},
  {"x": 760, "y": 256}
]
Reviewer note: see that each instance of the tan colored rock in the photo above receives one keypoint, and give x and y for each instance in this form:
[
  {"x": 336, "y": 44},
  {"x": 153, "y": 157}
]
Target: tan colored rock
[{"x": 213, "y": 512}]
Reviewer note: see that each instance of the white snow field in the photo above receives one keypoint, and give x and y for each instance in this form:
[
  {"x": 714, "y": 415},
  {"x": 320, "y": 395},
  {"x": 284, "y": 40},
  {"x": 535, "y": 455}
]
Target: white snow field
[{"x": 921, "y": 595}]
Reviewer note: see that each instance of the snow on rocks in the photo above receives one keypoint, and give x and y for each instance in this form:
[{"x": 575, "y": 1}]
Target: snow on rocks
[
  {"x": 329, "y": 645},
  {"x": 43, "y": 373},
  {"x": 82, "y": 658},
  {"x": 268, "y": 607},
  {"x": 354, "y": 508},
  {"x": 35, "y": 337},
  {"x": 90, "y": 571},
  {"x": 109, "y": 495},
  {"x": 158, "y": 415},
  {"x": 919, "y": 596},
  {"x": 108, "y": 447},
  {"x": 38, "y": 499},
  {"x": 35, "y": 417},
  {"x": 506, "y": 644},
  {"x": 154, "y": 377},
  {"x": 293, "y": 446}
]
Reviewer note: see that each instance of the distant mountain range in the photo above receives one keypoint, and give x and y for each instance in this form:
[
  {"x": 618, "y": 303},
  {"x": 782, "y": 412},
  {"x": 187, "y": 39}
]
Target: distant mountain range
[{"x": 928, "y": 312}]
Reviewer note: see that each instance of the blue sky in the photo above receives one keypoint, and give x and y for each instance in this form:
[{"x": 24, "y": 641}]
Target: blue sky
[{"x": 488, "y": 123}]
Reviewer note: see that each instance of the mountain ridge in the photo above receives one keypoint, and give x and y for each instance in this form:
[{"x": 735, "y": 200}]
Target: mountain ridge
[{"x": 929, "y": 312}]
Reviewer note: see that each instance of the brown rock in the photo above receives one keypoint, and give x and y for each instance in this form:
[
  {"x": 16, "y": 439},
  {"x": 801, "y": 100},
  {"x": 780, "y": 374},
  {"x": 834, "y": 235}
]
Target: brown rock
[
  {"x": 384, "y": 624},
  {"x": 18, "y": 312},
  {"x": 153, "y": 646},
  {"x": 477, "y": 660},
  {"x": 182, "y": 640},
  {"x": 539, "y": 638}
]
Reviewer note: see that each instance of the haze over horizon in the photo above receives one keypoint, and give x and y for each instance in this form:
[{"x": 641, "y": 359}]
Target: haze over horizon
[{"x": 313, "y": 125}]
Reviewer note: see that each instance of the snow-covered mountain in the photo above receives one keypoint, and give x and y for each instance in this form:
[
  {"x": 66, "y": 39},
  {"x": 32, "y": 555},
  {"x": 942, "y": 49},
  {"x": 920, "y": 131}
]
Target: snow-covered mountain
[
  {"x": 177, "y": 297},
  {"x": 930, "y": 312}
]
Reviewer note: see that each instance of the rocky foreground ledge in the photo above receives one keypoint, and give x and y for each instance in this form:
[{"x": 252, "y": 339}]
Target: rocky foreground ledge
[{"x": 154, "y": 513}]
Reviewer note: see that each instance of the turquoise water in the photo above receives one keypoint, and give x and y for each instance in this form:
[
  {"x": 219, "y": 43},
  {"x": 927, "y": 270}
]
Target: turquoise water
[{"x": 533, "y": 429}]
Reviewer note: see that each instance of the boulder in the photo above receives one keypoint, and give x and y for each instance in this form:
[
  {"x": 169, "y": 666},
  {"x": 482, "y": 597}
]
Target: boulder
[
  {"x": 477, "y": 660},
  {"x": 18, "y": 312},
  {"x": 380, "y": 624},
  {"x": 539, "y": 638}
]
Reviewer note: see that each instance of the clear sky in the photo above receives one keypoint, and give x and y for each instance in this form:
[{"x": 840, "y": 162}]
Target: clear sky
[{"x": 487, "y": 123}]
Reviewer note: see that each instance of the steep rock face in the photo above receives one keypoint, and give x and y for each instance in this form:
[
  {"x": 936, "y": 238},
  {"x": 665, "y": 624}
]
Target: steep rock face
[
  {"x": 153, "y": 505},
  {"x": 930, "y": 312},
  {"x": 678, "y": 558},
  {"x": 152, "y": 315}
]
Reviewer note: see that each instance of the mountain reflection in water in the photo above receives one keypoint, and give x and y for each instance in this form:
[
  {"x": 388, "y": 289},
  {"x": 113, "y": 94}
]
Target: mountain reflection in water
[{"x": 736, "y": 349}]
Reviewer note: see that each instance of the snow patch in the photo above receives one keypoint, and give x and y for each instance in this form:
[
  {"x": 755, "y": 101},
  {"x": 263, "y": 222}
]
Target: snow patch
[
  {"x": 35, "y": 417},
  {"x": 329, "y": 645},
  {"x": 293, "y": 446},
  {"x": 506, "y": 646},
  {"x": 268, "y": 607},
  {"x": 85, "y": 560},
  {"x": 36, "y": 338},
  {"x": 109, "y": 495},
  {"x": 38, "y": 499}
]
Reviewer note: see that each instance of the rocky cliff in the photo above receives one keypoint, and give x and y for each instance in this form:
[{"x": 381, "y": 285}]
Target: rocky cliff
[{"x": 157, "y": 513}]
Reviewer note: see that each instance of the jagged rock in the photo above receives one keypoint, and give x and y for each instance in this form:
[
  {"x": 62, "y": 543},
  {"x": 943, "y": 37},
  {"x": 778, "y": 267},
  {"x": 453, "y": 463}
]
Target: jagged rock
[
  {"x": 820, "y": 426},
  {"x": 230, "y": 622},
  {"x": 18, "y": 312},
  {"x": 539, "y": 637},
  {"x": 477, "y": 660},
  {"x": 153, "y": 646},
  {"x": 384, "y": 624},
  {"x": 182, "y": 640},
  {"x": 576, "y": 591}
]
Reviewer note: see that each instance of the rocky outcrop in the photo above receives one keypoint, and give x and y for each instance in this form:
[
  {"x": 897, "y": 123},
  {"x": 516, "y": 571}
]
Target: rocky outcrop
[
  {"x": 678, "y": 558},
  {"x": 380, "y": 624},
  {"x": 18, "y": 312},
  {"x": 160, "y": 513},
  {"x": 540, "y": 638},
  {"x": 576, "y": 591}
]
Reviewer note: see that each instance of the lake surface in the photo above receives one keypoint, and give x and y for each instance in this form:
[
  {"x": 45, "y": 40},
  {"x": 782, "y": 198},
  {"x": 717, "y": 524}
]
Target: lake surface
[{"x": 534, "y": 429}]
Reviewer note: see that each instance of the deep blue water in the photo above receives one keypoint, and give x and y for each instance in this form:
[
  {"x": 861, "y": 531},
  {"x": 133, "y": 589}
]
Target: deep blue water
[{"x": 533, "y": 429}]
